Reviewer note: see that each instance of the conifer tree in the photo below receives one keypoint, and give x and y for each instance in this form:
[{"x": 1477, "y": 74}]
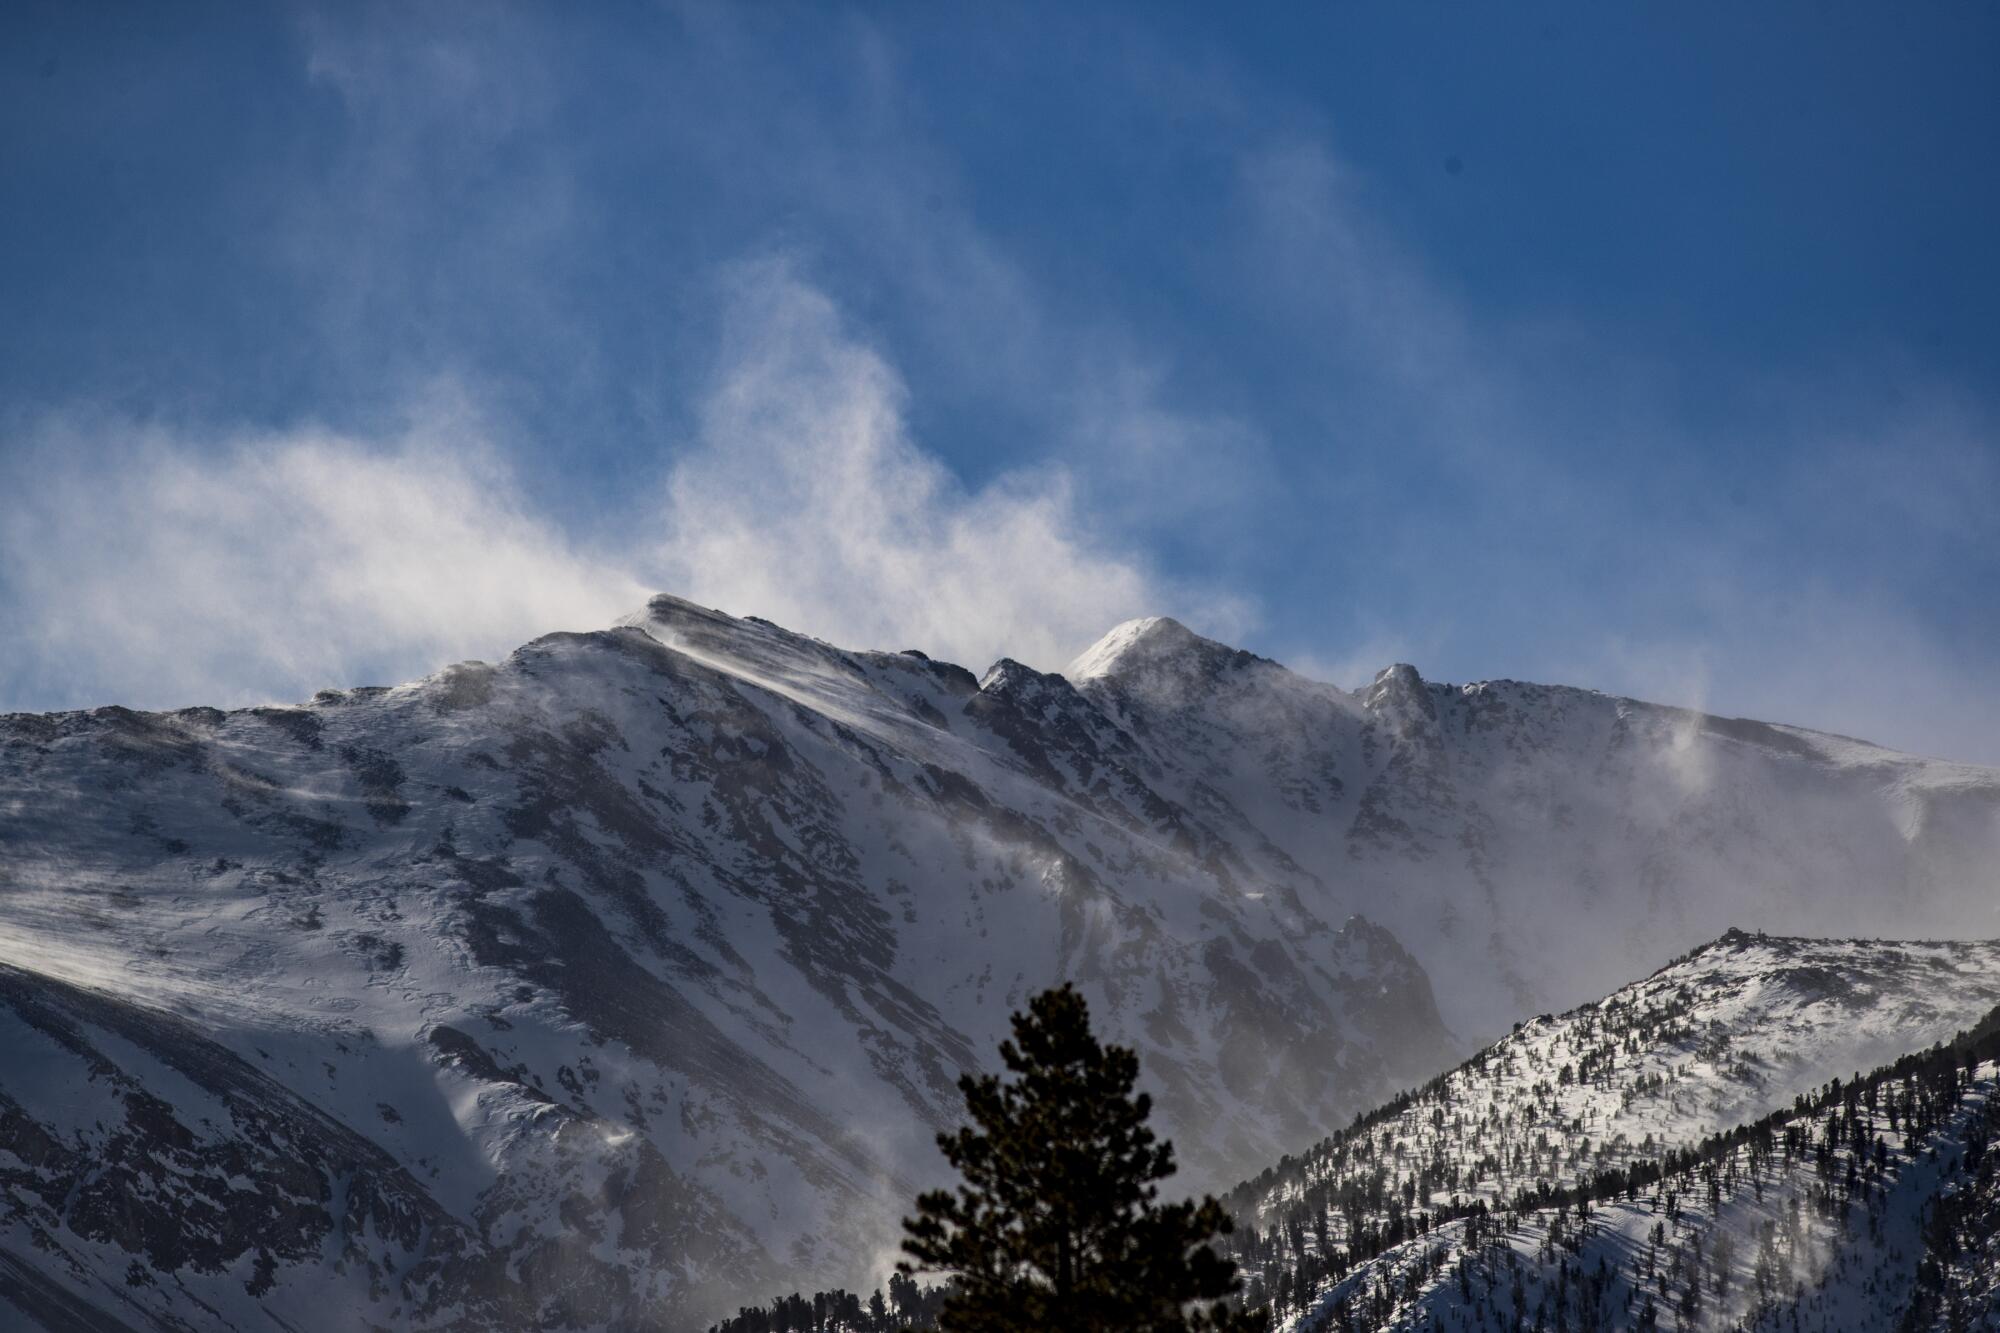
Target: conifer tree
[{"x": 1057, "y": 1226}]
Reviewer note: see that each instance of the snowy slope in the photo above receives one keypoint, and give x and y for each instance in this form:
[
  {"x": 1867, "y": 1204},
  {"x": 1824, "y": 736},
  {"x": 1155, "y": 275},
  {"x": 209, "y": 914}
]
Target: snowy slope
[
  {"x": 1828, "y": 1218},
  {"x": 1730, "y": 1033},
  {"x": 1958, "y": 1274}
]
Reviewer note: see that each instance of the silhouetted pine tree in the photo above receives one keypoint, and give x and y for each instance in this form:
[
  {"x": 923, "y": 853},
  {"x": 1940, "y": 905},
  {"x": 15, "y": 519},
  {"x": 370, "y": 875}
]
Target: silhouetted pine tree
[{"x": 1057, "y": 1225}]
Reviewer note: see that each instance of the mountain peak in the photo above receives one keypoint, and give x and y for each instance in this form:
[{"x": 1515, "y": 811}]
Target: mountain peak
[
  {"x": 1399, "y": 693},
  {"x": 1160, "y": 660},
  {"x": 1147, "y": 639},
  {"x": 1399, "y": 675}
]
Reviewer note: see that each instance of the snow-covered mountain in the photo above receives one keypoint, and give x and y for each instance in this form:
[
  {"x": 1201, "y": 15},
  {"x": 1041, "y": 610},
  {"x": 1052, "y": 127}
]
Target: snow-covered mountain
[
  {"x": 609, "y": 984},
  {"x": 627, "y": 980},
  {"x": 1727, "y": 1035},
  {"x": 1865, "y": 1206}
]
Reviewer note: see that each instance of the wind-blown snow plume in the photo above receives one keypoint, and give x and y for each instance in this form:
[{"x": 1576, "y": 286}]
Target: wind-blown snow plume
[
  {"x": 157, "y": 567},
  {"x": 144, "y": 568},
  {"x": 807, "y": 501}
]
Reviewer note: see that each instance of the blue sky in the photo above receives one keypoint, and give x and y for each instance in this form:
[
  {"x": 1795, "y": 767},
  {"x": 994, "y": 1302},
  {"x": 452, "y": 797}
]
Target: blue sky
[{"x": 1644, "y": 347}]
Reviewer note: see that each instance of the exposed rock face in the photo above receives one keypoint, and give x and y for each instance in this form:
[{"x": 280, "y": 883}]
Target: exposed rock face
[{"x": 630, "y": 979}]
